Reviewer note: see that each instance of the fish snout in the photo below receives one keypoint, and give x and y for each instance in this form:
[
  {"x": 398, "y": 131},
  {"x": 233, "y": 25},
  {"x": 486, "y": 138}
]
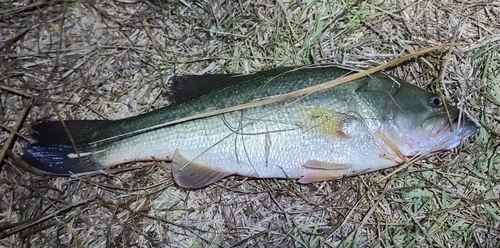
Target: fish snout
[{"x": 465, "y": 128}]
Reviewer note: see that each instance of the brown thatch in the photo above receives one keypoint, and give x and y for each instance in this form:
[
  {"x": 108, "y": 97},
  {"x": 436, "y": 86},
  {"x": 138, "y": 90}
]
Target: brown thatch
[{"x": 111, "y": 59}]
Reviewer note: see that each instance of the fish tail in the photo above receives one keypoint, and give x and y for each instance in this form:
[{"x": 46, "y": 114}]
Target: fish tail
[{"x": 54, "y": 152}]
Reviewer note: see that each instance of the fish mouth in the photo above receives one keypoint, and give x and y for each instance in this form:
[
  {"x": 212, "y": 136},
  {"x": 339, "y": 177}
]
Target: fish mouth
[
  {"x": 449, "y": 136},
  {"x": 439, "y": 136}
]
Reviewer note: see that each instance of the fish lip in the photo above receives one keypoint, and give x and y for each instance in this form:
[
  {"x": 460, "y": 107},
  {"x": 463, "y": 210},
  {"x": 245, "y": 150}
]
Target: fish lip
[
  {"x": 443, "y": 135},
  {"x": 457, "y": 131},
  {"x": 468, "y": 128}
]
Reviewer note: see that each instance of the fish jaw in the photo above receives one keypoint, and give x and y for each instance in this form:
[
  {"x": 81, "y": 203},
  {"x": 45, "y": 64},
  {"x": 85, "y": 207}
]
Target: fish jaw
[
  {"x": 450, "y": 136},
  {"x": 430, "y": 139}
]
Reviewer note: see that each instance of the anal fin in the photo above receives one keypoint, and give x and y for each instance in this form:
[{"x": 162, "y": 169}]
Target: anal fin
[{"x": 192, "y": 174}]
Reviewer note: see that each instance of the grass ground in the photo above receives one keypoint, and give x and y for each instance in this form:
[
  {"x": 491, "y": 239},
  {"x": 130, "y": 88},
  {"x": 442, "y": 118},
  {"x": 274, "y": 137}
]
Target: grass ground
[{"x": 111, "y": 59}]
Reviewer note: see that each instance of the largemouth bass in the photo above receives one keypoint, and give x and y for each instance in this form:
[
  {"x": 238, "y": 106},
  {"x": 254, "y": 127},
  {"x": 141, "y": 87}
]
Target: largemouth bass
[{"x": 369, "y": 124}]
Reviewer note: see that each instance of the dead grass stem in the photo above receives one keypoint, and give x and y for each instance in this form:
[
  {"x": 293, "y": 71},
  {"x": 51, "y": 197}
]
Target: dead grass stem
[{"x": 112, "y": 59}]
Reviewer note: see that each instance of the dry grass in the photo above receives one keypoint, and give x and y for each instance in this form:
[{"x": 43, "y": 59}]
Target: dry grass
[{"x": 109, "y": 60}]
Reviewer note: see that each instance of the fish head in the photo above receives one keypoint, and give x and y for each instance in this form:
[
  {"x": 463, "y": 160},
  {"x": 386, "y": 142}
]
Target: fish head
[{"x": 415, "y": 121}]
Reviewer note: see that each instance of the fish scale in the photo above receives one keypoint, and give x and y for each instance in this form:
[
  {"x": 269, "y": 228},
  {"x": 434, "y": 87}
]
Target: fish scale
[{"x": 365, "y": 125}]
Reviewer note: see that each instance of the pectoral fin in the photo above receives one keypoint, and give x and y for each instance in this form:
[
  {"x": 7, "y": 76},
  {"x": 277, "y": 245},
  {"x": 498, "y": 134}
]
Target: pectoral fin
[
  {"x": 323, "y": 122},
  {"x": 192, "y": 174}
]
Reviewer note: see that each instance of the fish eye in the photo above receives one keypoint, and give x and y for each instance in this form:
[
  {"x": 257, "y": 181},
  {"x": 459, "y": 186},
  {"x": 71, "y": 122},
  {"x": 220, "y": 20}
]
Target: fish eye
[{"x": 435, "y": 101}]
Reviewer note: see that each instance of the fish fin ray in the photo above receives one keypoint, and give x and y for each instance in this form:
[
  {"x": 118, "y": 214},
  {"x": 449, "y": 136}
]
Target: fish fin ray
[
  {"x": 53, "y": 151},
  {"x": 191, "y": 174},
  {"x": 323, "y": 171},
  {"x": 320, "y": 175},
  {"x": 316, "y": 164},
  {"x": 58, "y": 159},
  {"x": 323, "y": 122},
  {"x": 186, "y": 87},
  {"x": 53, "y": 132}
]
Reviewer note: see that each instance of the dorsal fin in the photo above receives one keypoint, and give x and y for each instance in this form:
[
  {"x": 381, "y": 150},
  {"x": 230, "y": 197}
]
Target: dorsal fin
[{"x": 186, "y": 87}]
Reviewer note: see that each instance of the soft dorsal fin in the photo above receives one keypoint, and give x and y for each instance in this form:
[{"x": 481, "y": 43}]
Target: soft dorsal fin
[{"x": 186, "y": 87}]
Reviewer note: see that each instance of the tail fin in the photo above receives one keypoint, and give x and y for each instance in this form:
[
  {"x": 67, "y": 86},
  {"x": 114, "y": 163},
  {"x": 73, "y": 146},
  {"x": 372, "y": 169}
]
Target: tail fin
[{"x": 53, "y": 151}]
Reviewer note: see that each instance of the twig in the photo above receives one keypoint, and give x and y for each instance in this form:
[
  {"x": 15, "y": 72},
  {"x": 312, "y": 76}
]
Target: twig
[
  {"x": 281, "y": 97},
  {"x": 155, "y": 43},
  {"x": 45, "y": 218},
  {"x": 12, "y": 134},
  {"x": 422, "y": 229},
  {"x": 15, "y": 91},
  {"x": 372, "y": 209}
]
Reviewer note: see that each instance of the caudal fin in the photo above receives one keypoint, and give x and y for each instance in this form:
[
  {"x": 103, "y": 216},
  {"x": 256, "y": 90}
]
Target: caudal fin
[{"x": 53, "y": 151}]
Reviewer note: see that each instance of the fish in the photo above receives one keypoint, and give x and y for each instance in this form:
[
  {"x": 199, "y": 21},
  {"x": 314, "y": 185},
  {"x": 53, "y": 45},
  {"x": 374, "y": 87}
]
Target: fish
[{"x": 372, "y": 123}]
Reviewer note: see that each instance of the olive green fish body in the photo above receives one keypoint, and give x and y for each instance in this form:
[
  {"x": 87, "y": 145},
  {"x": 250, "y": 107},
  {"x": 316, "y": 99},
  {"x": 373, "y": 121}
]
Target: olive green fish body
[{"x": 368, "y": 124}]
